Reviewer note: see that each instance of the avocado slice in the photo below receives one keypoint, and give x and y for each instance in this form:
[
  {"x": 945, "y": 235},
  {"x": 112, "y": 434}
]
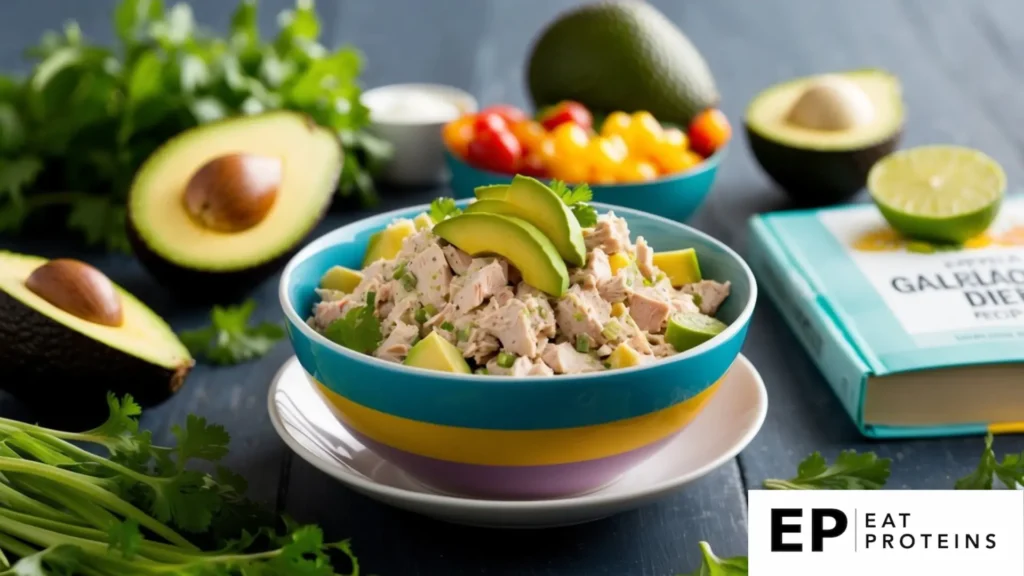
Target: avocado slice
[
  {"x": 341, "y": 279},
  {"x": 681, "y": 266},
  {"x": 491, "y": 192},
  {"x": 220, "y": 207},
  {"x": 531, "y": 200},
  {"x": 436, "y": 353},
  {"x": 620, "y": 56},
  {"x": 387, "y": 243},
  {"x": 818, "y": 136},
  {"x": 68, "y": 335},
  {"x": 516, "y": 240}
]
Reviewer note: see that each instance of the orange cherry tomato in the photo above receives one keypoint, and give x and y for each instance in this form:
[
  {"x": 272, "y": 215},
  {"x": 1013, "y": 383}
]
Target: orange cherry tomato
[
  {"x": 709, "y": 131},
  {"x": 601, "y": 175},
  {"x": 616, "y": 123},
  {"x": 530, "y": 134},
  {"x": 634, "y": 170},
  {"x": 509, "y": 113},
  {"x": 458, "y": 133},
  {"x": 675, "y": 160}
]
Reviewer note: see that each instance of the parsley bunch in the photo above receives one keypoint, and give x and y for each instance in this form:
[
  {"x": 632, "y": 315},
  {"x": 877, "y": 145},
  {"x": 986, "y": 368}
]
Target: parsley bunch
[
  {"x": 73, "y": 133},
  {"x": 69, "y": 511},
  {"x": 229, "y": 339}
]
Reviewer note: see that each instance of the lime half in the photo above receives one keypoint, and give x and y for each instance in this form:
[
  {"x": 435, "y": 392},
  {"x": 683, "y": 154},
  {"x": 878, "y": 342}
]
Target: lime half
[
  {"x": 690, "y": 329},
  {"x": 938, "y": 193}
]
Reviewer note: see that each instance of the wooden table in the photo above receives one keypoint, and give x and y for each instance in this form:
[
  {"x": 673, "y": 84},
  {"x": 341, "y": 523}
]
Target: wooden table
[{"x": 963, "y": 76}]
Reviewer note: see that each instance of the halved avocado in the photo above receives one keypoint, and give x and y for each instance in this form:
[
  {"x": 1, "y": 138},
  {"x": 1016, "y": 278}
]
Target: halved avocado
[
  {"x": 436, "y": 353},
  {"x": 818, "y": 137},
  {"x": 68, "y": 335},
  {"x": 218, "y": 208},
  {"x": 518, "y": 241},
  {"x": 529, "y": 199}
]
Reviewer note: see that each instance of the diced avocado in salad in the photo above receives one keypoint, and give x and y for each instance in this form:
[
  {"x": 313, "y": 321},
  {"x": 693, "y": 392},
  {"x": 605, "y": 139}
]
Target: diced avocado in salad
[{"x": 502, "y": 290}]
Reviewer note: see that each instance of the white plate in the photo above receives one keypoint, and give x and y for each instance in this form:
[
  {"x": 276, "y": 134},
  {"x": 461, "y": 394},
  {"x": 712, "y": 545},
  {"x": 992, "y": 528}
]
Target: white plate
[{"x": 728, "y": 423}]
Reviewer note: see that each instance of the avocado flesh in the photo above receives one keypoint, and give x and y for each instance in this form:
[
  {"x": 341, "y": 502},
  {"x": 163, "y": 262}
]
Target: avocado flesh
[
  {"x": 63, "y": 366},
  {"x": 182, "y": 253},
  {"x": 681, "y": 266},
  {"x": 436, "y": 353},
  {"x": 621, "y": 56},
  {"x": 518, "y": 241},
  {"x": 387, "y": 243},
  {"x": 341, "y": 279},
  {"x": 819, "y": 167},
  {"x": 528, "y": 199},
  {"x": 491, "y": 192}
]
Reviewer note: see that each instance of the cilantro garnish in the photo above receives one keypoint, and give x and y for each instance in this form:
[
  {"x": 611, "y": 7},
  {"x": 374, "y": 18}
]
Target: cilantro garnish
[
  {"x": 851, "y": 471},
  {"x": 576, "y": 199},
  {"x": 712, "y": 565},
  {"x": 442, "y": 208},
  {"x": 359, "y": 329},
  {"x": 1010, "y": 471},
  {"x": 447, "y": 326},
  {"x": 229, "y": 339}
]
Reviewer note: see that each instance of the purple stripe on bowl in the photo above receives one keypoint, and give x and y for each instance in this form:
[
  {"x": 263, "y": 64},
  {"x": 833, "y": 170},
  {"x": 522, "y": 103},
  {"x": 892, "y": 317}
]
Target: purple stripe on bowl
[{"x": 514, "y": 482}]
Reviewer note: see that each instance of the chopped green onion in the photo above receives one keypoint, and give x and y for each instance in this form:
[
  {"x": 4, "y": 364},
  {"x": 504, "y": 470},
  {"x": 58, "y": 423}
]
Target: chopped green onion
[
  {"x": 448, "y": 326},
  {"x": 578, "y": 316},
  {"x": 409, "y": 281},
  {"x": 421, "y": 315},
  {"x": 612, "y": 329},
  {"x": 506, "y": 360},
  {"x": 583, "y": 343},
  {"x": 430, "y": 309},
  {"x": 482, "y": 371},
  {"x": 399, "y": 270},
  {"x": 462, "y": 335}
]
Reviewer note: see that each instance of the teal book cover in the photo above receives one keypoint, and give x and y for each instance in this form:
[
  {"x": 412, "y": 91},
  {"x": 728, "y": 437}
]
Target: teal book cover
[{"x": 916, "y": 340}]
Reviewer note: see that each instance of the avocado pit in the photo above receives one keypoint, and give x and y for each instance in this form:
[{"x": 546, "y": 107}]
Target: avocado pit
[
  {"x": 234, "y": 192},
  {"x": 831, "y": 103},
  {"x": 78, "y": 289}
]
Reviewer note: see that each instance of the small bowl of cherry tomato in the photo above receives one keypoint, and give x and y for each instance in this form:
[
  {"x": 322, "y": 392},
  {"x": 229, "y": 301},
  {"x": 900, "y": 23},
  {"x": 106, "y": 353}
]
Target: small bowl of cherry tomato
[{"x": 627, "y": 159}]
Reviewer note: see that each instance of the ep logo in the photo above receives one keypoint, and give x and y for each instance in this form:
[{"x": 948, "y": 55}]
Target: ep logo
[{"x": 821, "y": 523}]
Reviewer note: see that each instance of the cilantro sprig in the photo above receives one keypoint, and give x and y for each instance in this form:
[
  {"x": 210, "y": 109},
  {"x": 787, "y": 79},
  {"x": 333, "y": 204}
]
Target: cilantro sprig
[
  {"x": 576, "y": 199},
  {"x": 443, "y": 208},
  {"x": 359, "y": 329},
  {"x": 142, "y": 510},
  {"x": 712, "y": 565},
  {"x": 76, "y": 129},
  {"x": 1010, "y": 471},
  {"x": 229, "y": 339},
  {"x": 850, "y": 471}
]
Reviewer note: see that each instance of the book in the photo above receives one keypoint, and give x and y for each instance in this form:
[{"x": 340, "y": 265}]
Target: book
[{"x": 916, "y": 340}]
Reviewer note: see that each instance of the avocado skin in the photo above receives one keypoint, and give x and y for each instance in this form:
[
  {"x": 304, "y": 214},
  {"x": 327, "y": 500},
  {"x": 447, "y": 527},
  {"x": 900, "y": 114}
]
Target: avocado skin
[
  {"x": 620, "y": 55},
  {"x": 63, "y": 375},
  {"x": 814, "y": 178}
]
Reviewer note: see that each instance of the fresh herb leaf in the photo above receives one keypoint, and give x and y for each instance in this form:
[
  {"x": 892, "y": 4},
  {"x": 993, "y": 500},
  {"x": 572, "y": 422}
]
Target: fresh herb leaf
[
  {"x": 585, "y": 214},
  {"x": 581, "y": 193},
  {"x": 126, "y": 538},
  {"x": 229, "y": 339},
  {"x": 359, "y": 329},
  {"x": 712, "y": 565},
  {"x": 1010, "y": 471},
  {"x": 851, "y": 471},
  {"x": 442, "y": 208},
  {"x": 576, "y": 199},
  {"x": 447, "y": 326}
]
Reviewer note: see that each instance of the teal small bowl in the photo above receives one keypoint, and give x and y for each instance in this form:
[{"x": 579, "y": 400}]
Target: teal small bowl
[
  {"x": 515, "y": 438},
  {"x": 674, "y": 197}
]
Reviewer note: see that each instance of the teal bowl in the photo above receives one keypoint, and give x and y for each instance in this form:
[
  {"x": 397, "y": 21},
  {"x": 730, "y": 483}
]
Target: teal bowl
[
  {"x": 514, "y": 438},
  {"x": 674, "y": 197}
]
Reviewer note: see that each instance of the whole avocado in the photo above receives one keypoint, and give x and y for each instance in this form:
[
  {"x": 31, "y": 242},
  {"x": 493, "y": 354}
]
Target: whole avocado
[{"x": 620, "y": 55}]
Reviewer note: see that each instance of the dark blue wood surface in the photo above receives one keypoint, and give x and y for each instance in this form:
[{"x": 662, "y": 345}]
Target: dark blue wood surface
[{"x": 962, "y": 73}]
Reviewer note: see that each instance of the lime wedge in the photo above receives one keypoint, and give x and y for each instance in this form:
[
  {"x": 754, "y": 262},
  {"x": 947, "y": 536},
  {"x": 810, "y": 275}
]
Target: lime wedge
[
  {"x": 938, "y": 193},
  {"x": 690, "y": 329}
]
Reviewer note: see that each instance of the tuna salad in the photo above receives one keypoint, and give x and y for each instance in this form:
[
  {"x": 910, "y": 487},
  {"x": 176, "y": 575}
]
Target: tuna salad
[{"x": 526, "y": 281}]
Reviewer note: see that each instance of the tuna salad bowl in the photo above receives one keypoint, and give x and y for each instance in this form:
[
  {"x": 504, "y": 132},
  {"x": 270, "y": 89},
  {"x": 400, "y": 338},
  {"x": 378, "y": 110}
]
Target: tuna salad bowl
[{"x": 526, "y": 343}]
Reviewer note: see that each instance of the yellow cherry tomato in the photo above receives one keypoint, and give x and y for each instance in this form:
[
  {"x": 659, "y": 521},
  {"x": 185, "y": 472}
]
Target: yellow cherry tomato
[
  {"x": 675, "y": 138},
  {"x": 644, "y": 133},
  {"x": 547, "y": 149},
  {"x": 569, "y": 170},
  {"x": 570, "y": 140},
  {"x": 673, "y": 160},
  {"x": 458, "y": 133},
  {"x": 530, "y": 134},
  {"x": 601, "y": 175},
  {"x": 605, "y": 154},
  {"x": 633, "y": 170},
  {"x": 616, "y": 123}
]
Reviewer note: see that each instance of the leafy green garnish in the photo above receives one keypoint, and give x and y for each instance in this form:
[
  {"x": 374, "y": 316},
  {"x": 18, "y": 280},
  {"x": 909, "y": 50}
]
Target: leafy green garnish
[
  {"x": 359, "y": 329},
  {"x": 229, "y": 339},
  {"x": 442, "y": 208},
  {"x": 576, "y": 199},
  {"x": 74, "y": 132},
  {"x": 447, "y": 326},
  {"x": 851, "y": 471},
  {"x": 712, "y": 565},
  {"x": 1010, "y": 471}
]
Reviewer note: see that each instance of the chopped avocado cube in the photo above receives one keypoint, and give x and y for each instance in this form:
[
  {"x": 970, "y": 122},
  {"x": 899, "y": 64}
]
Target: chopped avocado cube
[
  {"x": 491, "y": 192},
  {"x": 388, "y": 242},
  {"x": 680, "y": 265},
  {"x": 341, "y": 279},
  {"x": 691, "y": 329},
  {"x": 518, "y": 241},
  {"x": 624, "y": 356},
  {"x": 422, "y": 221},
  {"x": 531, "y": 200},
  {"x": 436, "y": 353}
]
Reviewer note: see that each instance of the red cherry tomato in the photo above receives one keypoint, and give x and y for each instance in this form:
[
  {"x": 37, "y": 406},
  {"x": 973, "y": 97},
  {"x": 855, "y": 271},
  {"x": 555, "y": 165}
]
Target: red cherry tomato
[
  {"x": 709, "y": 131},
  {"x": 533, "y": 165},
  {"x": 510, "y": 113},
  {"x": 498, "y": 151},
  {"x": 567, "y": 111},
  {"x": 490, "y": 122}
]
